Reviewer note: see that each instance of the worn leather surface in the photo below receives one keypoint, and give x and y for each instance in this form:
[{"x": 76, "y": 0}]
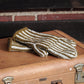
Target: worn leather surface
[{"x": 24, "y": 66}]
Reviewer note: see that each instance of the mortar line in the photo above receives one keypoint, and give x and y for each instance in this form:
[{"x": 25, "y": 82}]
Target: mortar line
[
  {"x": 40, "y": 13},
  {"x": 13, "y": 18}
]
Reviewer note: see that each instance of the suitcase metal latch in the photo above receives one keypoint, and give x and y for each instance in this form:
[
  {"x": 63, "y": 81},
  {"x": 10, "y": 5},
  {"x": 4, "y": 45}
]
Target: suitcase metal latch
[
  {"x": 79, "y": 73},
  {"x": 7, "y": 80},
  {"x": 57, "y": 82}
]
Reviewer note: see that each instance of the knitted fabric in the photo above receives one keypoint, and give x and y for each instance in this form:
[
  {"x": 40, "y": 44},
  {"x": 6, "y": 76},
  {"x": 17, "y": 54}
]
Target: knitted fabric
[
  {"x": 15, "y": 46},
  {"x": 43, "y": 44}
]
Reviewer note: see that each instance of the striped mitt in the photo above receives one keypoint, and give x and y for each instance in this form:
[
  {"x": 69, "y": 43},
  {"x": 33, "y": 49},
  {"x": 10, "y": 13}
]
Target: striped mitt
[
  {"x": 43, "y": 44},
  {"x": 16, "y": 46}
]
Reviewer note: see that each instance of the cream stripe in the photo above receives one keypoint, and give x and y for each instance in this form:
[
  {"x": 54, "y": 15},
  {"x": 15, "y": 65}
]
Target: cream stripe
[{"x": 21, "y": 48}]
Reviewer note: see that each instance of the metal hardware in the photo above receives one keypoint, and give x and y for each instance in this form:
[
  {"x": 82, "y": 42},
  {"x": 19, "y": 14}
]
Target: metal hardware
[
  {"x": 7, "y": 80},
  {"x": 57, "y": 82},
  {"x": 79, "y": 73},
  {"x": 43, "y": 79}
]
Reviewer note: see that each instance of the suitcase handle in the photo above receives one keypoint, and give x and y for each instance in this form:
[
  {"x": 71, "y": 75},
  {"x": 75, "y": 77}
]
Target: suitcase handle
[{"x": 57, "y": 82}]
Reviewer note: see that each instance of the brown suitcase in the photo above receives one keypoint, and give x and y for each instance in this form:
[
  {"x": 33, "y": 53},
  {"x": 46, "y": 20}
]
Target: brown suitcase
[{"x": 27, "y": 68}]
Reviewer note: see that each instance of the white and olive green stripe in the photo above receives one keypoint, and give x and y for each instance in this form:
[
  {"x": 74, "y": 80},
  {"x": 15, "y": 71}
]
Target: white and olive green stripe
[{"x": 43, "y": 44}]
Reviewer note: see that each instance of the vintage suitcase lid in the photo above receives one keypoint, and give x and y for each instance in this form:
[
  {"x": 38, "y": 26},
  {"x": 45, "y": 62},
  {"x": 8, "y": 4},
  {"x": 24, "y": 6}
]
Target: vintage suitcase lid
[{"x": 24, "y": 65}]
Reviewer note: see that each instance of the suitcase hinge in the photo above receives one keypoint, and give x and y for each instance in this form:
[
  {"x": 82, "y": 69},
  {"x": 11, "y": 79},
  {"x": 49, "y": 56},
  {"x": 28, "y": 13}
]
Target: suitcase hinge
[
  {"x": 79, "y": 73},
  {"x": 7, "y": 80}
]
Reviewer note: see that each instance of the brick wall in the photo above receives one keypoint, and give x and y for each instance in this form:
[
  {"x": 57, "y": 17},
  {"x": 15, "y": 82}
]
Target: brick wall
[{"x": 40, "y": 15}]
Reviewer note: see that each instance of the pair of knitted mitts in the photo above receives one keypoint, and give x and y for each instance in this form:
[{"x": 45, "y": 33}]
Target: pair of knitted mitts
[{"x": 43, "y": 44}]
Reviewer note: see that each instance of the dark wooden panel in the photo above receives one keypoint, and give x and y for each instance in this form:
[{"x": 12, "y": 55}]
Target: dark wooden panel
[
  {"x": 26, "y": 4},
  {"x": 75, "y": 28}
]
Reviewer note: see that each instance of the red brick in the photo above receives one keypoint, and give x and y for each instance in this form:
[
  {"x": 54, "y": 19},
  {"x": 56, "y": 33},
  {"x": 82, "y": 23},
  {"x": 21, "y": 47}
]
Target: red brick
[
  {"x": 5, "y": 18},
  {"x": 24, "y": 18},
  {"x": 60, "y": 16}
]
